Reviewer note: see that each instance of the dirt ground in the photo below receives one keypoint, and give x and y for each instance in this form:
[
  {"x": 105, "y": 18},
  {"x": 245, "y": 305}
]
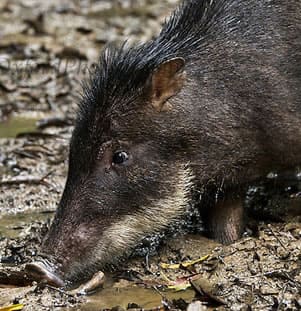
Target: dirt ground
[{"x": 46, "y": 49}]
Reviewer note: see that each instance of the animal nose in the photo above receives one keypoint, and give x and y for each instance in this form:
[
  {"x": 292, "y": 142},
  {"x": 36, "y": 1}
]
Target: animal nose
[{"x": 40, "y": 271}]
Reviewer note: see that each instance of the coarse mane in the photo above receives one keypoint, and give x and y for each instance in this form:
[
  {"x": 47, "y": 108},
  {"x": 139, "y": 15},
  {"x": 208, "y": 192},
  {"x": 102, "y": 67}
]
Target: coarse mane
[{"x": 122, "y": 71}]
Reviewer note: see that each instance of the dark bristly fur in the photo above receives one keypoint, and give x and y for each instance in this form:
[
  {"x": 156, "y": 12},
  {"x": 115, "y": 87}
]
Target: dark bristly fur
[
  {"x": 214, "y": 102},
  {"x": 122, "y": 70}
]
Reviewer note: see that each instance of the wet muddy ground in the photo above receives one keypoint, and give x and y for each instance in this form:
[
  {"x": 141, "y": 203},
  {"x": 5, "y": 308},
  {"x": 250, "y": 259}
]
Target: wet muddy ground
[{"x": 46, "y": 49}]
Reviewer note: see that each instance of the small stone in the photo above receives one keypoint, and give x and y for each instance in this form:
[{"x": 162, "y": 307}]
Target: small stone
[
  {"x": 268, "y": 290},
  {"x": 197, "y": 306}
]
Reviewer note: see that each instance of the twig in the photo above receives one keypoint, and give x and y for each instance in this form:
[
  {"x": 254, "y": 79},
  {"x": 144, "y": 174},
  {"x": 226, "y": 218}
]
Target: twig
[
  {"x": 27, "y": 180},
  {"x": 58, "y": 290},
  {"x": 276, "y": 237}
]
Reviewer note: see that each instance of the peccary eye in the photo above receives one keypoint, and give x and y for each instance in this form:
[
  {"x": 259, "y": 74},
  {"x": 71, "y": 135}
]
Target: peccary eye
[{"x": 120, "y": 157}]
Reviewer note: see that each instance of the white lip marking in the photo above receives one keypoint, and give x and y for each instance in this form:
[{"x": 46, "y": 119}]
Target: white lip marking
[{"x": 126, "y": 233}]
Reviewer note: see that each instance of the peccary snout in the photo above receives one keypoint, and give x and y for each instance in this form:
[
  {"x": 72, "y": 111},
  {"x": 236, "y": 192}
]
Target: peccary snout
[{"x": 41, "y": 271}]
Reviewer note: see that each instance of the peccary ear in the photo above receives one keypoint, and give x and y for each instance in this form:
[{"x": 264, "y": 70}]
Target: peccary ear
[{"x": 166, "y": 81}]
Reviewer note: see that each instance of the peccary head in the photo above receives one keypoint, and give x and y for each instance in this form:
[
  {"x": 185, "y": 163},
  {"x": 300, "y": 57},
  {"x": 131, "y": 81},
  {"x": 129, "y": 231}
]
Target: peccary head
[{"x": 128, "y": 174}]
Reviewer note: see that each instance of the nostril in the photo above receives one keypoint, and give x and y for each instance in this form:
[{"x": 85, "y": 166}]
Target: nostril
[{"x": 39, "y": 272}]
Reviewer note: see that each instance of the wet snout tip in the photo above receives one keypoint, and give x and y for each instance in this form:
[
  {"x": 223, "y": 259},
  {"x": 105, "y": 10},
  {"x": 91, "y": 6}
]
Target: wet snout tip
[{"x": 38, "y": 272}]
